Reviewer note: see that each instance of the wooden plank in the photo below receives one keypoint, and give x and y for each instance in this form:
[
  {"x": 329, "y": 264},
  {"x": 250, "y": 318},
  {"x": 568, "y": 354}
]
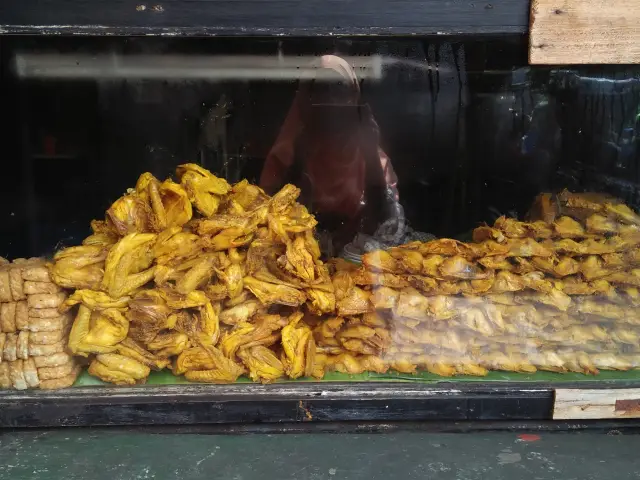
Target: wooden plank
[
  {"x": 263, "y": 17},
  {"x": 279, "y": 403},
  {"x": 584, "y": 31},
  {"x": 579, "y": 404}
]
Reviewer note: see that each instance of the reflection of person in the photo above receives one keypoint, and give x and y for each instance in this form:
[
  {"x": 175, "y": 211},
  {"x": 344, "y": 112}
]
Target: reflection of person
[{"x": 329, "y": 147}]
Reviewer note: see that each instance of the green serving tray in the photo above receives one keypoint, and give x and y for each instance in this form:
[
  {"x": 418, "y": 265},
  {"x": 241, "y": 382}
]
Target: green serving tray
[{"x": 165, "y": 377}]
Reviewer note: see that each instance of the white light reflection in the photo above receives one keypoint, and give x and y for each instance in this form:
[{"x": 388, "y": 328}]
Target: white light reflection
[{"x": 168, "y": 67}]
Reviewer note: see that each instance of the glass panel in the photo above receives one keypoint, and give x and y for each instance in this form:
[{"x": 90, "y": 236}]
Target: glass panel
[{"x": 390, "y": 141}]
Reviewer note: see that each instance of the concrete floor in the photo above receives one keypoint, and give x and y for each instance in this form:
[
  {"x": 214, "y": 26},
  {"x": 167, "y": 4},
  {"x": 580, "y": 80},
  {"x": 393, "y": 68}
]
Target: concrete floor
[{"x": 85, "y": 455}]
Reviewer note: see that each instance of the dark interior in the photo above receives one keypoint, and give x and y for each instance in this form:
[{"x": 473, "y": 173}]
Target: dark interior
[{"x": 472, "y": 131}]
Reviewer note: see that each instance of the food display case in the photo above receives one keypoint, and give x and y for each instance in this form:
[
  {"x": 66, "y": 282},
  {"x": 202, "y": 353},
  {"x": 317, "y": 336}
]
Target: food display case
[{"x": 213, "y": 215}]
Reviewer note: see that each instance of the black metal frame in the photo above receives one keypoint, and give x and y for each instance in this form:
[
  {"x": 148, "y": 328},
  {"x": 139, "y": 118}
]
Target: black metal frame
[
  {"x": 264, "y": 17},
  {"x": 289, "y": 403}
]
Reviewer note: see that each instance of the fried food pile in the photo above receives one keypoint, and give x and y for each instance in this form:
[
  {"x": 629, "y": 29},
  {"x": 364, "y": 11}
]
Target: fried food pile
[
  {"x": 558, "y": 293},
  {"x": 216, "y": 280},
  {"x": 33, "y": 334},
  {"x": 207, "y": 278}
]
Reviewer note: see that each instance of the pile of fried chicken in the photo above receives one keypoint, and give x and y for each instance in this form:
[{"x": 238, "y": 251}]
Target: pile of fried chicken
[
  {"x": 201, "y": 276},
  {"x": 216, "y": 280},
  {"x": 556, "y": 293}
]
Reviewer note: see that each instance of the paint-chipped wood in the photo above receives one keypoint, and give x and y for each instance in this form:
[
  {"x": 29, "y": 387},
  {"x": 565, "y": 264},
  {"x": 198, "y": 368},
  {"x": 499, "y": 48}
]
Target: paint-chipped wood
[
  {"x": 579, "y": 404},
  {"x": 584, "y": 32}
]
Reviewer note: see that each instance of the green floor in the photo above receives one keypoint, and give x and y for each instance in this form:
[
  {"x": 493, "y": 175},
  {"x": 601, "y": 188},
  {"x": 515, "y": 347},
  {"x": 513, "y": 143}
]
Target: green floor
[{"x": 91, "y": 455}]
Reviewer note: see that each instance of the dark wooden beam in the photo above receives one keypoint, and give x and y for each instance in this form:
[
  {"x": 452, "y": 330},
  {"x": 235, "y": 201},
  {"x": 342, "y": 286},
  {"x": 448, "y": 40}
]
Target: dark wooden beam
[{"x": 263, "y": 17}]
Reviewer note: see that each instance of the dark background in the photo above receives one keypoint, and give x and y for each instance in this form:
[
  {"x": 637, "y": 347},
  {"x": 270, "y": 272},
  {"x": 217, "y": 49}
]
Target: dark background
[{"x": 472, "y": 131}]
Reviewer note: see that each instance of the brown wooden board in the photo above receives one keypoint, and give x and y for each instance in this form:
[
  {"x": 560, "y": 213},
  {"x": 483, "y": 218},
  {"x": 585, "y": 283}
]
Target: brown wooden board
[{"x": 584, "y": 32}]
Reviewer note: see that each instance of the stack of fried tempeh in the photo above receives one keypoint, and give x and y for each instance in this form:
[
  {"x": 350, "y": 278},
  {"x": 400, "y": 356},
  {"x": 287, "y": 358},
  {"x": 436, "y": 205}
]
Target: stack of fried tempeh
[
  {"x": 33, "y": 334},
  {"x": 558, "y": 293}
]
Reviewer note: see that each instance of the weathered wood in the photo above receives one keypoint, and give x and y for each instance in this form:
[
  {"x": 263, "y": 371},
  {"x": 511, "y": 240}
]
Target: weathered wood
[
  {"x": 579, "y": 404},
  {"x": 266, "y": 17},
  {"x": 285, "y": 403},
  {"x": 584, "y": 31}
]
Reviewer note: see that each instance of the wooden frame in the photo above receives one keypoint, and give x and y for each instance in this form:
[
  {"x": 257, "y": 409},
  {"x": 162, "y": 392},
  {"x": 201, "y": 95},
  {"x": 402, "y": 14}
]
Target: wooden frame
[
  {"x": 291, "y": 403},
  {"x": 274, "y": 17},
  {"x": 584, "y": 32}
]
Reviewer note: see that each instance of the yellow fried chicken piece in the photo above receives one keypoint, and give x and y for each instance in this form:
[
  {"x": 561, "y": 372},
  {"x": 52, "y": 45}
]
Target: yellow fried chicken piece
[
  {"x": 509, "y": 363},
  {"x": 299, "y": 348},
  {"x": 98, "y": 331},
  {"x": 496, "y": 262},
  {"x": 567, "y": 227},
  {"x": 178, "y": 301},
  {"x": 262, "y": 331},
  {"x": 411, "y": 304},
  {"x": 610, "y": 361},
  {"x": 240, "y": 313},
  {"x": 197, "y": 276},
  {"x": 218, "y": 375},
  {"x": 408, "y": 261},
  {"x": 384, "y": 298},
  {"x": 623, "y": 213},
  {"x": 325, "y": 332},
  {"x": 592, "y": 267},
  {"x": 475, "y": 320},
  {"x": 118, "y": 369},
  {"x": 269, "y": 293},
  {"x": 204, "y": 188},
  {"x": 344, "y": 363},
  {"x": 602, "y": 225},
  {"x": 342, "y": 282},
  {"x": 174, "y": 244},
  {"x": 194, "y": 358},
  {"x": 207, "y": 364},
  {"x": 248, "y": 196},
  {"x": 513, "y": 228},
  {"x": 228, "y": 238},
  {"x": 168, "y": 343},
  {"x": 527, "y": 247},
  {"x": 379, "y": 261},
  {"x": 297, "y": 260},
  {"x": 507, "y": 282},
  {"x": 626, "y": 278},
  {"x": 364, "y": 277},
  {"x": 94, "y": 300},
  {"x": 447, "y": 247},
  {"x": 104, "y": 240},
  {"x": 264, "y": 366},
  {"x": 368, "y": 340},
  {"x": 132, "y": 349},
  {"x": 79, "y": 267},
  {"x": 354, "y": 303},
  {"x": 321, "y": 301},
  {"x": 148, "y": 314},
  {"x": 169, "y": 202},
  {"x": 232, "y": 277},
  {"x": 284, "y": 199},
  {"x": 209, "y": 324},
  {"x": 554, "y": 298},
  {"x": 457, "y": 267},
  {"x": 485, "y": 232},
  {"x": 130, "y": 214},
  {"x": 127, "y": 266}
]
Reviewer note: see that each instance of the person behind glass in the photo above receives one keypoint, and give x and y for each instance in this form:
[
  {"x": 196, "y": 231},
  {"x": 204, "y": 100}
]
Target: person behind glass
[{"x": 329, "y": 147}]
